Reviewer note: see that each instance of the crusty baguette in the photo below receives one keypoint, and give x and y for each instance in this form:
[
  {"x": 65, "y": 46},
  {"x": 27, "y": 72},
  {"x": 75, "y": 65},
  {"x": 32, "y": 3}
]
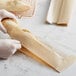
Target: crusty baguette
[
  {"x": 54, "y": 11},
  {"x": 65, "y": 12},
  {"x": 60, "y": 11},
  {"x": 37, "y": 48},
  {"x": 28, "y": 53}
]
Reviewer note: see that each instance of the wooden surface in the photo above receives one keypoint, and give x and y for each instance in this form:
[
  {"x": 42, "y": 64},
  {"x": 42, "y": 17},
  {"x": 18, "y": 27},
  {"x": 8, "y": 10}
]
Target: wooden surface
[{"x": 21, "y": 65}]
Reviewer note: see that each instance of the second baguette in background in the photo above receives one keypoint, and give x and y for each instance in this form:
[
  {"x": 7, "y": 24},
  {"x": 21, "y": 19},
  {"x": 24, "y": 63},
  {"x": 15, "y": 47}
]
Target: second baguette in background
[{"x": 60, "y": 11}]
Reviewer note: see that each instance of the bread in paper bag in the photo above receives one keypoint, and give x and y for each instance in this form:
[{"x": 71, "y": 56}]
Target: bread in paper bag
[{"x": 19, "y": 7}]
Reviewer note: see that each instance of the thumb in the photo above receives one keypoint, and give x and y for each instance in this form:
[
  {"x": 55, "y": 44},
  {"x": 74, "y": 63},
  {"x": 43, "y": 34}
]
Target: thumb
[{"x": 2, "y": 28}]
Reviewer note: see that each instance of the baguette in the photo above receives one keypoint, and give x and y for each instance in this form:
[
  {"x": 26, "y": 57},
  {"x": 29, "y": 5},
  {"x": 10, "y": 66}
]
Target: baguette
[
  {"x": 54, "y": 10},
  {"x": 65, "y": 12},
  {"x": 60, "y": 11},
  {"x": 37, "y": 48}
]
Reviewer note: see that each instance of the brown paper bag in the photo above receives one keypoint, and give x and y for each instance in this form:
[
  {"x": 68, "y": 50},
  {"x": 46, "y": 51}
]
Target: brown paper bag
[{"x": 19, "y": 7}]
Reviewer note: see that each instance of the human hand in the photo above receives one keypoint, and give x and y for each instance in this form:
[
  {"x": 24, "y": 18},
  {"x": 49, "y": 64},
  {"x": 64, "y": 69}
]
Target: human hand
[
  {"x": 5, "y": 14},
  {"x": 8, "y": 47}
]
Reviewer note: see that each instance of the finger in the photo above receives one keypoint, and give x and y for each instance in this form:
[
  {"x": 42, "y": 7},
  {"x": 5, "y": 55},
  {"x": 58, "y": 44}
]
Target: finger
[
  {"x": 15, "y": 41},
  {"x": 2, "y": 28},
  {"x": 17, "y": 46},
  {"x": 10, "y": 15},
  {"x": 12, "y": 41},
  {"x": 13, "y": 50},
  {"x": 6, "y": 14}
]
